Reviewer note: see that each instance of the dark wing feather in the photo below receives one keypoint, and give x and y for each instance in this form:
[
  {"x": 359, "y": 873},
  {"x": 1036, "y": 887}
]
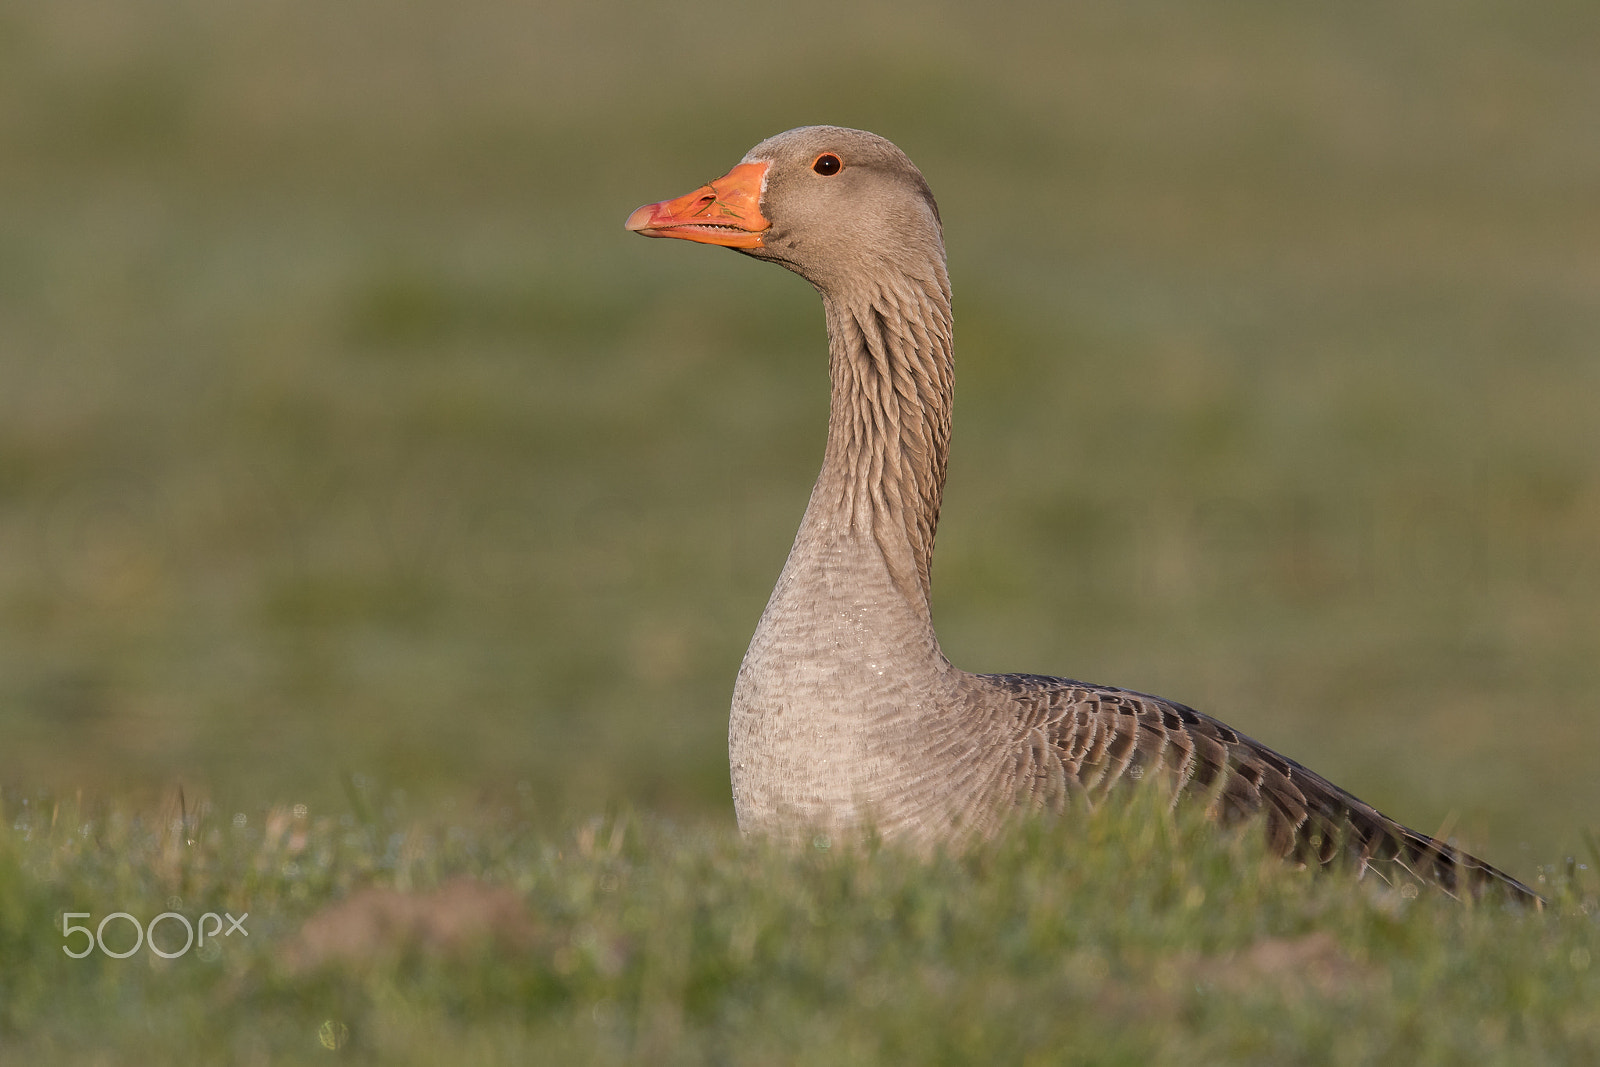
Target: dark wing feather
[{"x": 1104, "y": 736}]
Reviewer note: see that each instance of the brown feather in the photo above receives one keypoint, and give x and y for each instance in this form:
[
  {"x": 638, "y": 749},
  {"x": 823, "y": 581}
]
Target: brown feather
[{"x": 1105, "y": 737}]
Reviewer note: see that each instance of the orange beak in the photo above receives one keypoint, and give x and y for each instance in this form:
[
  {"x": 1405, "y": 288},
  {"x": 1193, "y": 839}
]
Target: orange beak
[{"x": 727, "y": 212}]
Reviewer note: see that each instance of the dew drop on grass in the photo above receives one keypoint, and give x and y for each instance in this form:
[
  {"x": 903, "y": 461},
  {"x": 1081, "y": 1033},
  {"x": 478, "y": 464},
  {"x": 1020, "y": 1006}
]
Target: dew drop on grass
[
  {"x": 333, "y": 1035},
  {"x": 605, "y": 1013}
]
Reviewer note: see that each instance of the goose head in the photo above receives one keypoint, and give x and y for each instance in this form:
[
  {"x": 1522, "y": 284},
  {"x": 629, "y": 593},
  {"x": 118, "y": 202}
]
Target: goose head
[{"x": 834, "y": 205}]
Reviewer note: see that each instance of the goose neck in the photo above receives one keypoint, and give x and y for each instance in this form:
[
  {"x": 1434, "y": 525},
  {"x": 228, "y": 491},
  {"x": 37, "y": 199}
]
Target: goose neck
[{"x": 892, "y": 380}]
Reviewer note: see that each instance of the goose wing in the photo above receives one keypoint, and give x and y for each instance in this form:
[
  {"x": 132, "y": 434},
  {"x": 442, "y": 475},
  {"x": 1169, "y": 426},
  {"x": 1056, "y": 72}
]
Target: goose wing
[{"x": 1103, "y": 737}]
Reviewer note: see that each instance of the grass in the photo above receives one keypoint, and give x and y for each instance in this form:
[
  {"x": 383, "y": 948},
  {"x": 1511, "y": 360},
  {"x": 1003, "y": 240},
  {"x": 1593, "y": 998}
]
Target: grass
[
  {"x": 1126, "y": 935},
  {"x": 345, "y": 436}
]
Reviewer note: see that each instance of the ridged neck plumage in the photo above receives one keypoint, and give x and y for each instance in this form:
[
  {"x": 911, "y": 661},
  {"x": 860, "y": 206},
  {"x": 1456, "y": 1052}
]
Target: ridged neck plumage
[{"x": 883, "y": 471}]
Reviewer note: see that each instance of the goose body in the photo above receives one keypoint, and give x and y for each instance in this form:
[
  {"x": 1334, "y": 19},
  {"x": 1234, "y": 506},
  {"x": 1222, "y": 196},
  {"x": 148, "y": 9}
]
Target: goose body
[{"x": 846, "y": 715}]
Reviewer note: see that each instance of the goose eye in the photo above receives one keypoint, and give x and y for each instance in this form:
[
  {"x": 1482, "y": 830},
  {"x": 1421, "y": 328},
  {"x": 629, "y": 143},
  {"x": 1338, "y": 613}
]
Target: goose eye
[{"x": 827, "y": 164}]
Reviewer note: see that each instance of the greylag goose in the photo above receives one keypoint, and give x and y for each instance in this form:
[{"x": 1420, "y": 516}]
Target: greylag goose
[{"x": 846, "y": 715}]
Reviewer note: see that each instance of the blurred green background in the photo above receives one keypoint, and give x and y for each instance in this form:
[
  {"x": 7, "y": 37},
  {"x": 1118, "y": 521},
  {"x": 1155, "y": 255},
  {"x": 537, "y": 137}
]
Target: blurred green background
[{"x": 343, "y": 429}]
